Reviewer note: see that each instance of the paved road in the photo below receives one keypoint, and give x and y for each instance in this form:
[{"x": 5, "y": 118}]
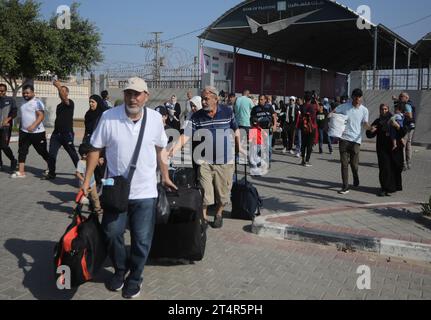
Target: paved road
[{"x": 238, "y": 264}]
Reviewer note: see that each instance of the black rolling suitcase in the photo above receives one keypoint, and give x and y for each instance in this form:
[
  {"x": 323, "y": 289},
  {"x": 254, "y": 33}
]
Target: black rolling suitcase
[
  {"x": 246, "y": 202},
  {"x": 184, "y": 236}
]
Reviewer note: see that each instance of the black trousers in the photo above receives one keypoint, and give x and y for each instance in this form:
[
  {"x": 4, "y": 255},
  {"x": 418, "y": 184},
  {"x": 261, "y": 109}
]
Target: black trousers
[
  {"x": 37, "y": 140},
  {"x": 5, "y": 134},
  {"x": 290, "y": 130},
  {"x": 307, "y": 145},
  {"x": 58, "y": 140}
]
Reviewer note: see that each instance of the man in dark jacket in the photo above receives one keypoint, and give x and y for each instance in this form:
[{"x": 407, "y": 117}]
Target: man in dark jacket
[{"x": 8, "y": 112}]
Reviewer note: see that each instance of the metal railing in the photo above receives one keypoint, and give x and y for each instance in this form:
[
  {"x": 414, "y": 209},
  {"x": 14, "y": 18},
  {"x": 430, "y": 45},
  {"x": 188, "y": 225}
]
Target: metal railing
[
  {"x": 416, "y": 79},
  {"x": 44, "y": 88}
]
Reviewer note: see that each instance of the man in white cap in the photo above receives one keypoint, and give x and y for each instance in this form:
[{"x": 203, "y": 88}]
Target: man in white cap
[{"x": 118, "y": 131}]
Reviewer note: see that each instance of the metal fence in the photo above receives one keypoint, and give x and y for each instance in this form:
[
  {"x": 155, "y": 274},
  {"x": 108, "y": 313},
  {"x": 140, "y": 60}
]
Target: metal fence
[
  {"x": 180, "y": 78},
  {"x": 43, "y": 87},
  {"x": 416, "y": 79}
]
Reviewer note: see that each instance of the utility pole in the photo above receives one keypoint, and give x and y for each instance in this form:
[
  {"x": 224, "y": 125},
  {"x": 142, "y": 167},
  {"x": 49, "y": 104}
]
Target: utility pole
[{"x": 156, "y": 45}]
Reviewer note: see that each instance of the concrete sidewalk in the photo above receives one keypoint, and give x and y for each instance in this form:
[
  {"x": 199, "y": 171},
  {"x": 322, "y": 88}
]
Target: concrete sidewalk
[
  {"x": 360, "y": 221},
  {"x": 393, "y": 229}
]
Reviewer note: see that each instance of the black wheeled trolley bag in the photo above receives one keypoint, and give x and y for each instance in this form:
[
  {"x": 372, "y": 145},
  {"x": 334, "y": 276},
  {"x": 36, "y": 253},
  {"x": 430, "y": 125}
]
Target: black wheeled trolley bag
[
  {"x": 246, "y": 202},
  {"x": 184, "y": 236}
]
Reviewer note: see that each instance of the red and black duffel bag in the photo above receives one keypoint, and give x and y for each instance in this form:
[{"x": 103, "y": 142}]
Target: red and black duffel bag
[{"x": 82, "y": 248}]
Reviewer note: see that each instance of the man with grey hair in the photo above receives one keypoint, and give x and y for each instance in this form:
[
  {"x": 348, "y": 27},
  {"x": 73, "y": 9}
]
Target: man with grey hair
[
  {"x": 409, "y": 114},
  {"x": 216, "y": 123},
  {"x": 118, "y": 131}
]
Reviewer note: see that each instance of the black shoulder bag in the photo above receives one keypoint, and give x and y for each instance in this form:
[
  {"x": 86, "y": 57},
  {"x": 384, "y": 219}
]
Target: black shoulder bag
[{"x": 115, "y": 198}]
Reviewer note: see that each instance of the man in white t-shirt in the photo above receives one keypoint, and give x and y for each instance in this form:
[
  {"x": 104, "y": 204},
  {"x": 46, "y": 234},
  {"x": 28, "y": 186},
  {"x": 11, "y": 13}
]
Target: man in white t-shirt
[
  {"x": 118, "y": 132},
  {"x": 350, "y": 142},
  {"x": 32, "y": 131}
]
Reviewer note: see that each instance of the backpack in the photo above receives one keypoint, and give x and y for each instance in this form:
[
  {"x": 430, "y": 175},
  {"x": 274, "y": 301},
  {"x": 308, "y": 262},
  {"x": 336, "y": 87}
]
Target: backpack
[
  {"x": 307, "y": 125},
  {"x": 81, "y": 248}
]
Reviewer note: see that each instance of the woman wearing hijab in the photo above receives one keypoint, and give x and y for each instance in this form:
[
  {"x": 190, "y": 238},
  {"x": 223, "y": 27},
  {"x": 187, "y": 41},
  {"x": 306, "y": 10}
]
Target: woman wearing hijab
[
  {"x": 390, "y": 161},
  {"x": 195, "y": 105},
  {"x": 97, "y": 107}
]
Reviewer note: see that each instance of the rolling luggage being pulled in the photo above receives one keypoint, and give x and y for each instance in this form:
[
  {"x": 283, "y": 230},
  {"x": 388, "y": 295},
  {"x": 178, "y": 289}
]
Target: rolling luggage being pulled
[
  {"x": 246, "y": 202},
  {"x": 184, "y": 235},
  {"x": 81, "y": 249}
]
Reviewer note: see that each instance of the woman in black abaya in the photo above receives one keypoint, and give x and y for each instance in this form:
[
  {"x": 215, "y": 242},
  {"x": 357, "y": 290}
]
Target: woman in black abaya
[
  {"x": 390, "y": 161},
  {"x": 97, "y": 107}
]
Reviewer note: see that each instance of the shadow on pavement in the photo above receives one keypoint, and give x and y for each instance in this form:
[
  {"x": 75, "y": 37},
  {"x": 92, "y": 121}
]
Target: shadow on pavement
[
  {"x": 404, "y": 214},
  {"x": 62, "y": 206},
  {"x": 361, "y": 164},
  {"x": 277, "y": 205},
  {"x": 311, "y": 183},
  {"x": 63, "y": 196},
  {"x": 36, "y": 260},
  {"x": 56, "y": 207}
]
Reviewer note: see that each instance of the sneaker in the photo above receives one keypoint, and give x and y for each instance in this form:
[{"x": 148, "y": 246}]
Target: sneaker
[
  {"x": 292, "y": 152},
  {"x": 344, "y": 191},
  {"x": 116, "y": 283},
  {"x": 308, "y": 165},
  {"x": 298, "y": 155},
  {"x": 18, "y": 175},
  {"x": 284, "y": 151},
  {"x": 218, "y": 222},
  {"x": 132, "y": 291}
]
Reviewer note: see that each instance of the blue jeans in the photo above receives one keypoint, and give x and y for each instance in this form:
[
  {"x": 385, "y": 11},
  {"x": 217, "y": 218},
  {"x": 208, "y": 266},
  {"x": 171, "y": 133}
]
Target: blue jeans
[
  {"x": 322, "y": 134},
  {"x": 59, "y": 140},
  {"x": 142, "y": 219},
  {"x": 299, "y": 140}
]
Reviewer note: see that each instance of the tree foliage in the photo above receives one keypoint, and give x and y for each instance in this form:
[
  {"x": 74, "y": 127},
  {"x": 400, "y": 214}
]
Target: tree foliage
[{"x": 30, "y": 46}]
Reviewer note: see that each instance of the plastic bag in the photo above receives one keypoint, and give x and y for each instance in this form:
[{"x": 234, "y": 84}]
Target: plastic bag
[
  {"x": 337, "y": 125},
  {"x": 163, "y": 209}
]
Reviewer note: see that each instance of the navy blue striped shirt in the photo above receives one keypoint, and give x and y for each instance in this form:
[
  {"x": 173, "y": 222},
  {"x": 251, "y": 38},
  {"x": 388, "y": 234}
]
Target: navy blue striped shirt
[{"x": 216, "y": 135}]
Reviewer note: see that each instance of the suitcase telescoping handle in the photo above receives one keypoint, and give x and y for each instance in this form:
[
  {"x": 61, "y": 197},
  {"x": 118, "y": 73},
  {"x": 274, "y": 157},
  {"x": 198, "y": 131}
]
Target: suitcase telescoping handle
[{"x": 236, "y": 168}]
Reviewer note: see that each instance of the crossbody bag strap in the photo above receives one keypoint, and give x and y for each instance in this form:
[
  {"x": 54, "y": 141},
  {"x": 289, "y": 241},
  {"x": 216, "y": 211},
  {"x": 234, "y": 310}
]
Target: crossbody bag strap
[{"x": 138, "y": 147}]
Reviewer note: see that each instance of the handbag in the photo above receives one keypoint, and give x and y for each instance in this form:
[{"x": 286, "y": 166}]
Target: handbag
[{"x": 115, "y": 197}]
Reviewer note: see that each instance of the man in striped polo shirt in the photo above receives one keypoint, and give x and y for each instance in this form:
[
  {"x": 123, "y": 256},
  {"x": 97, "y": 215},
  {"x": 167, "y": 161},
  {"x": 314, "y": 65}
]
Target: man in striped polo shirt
[{"x": 214, "y": 126}]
